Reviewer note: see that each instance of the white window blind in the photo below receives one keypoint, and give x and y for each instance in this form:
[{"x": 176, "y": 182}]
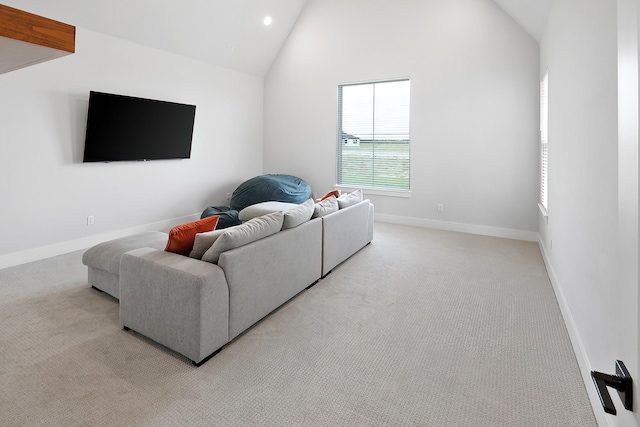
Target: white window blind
[
  {"x": 544, "y": 135},
  {"x": 373, "y": 135}
]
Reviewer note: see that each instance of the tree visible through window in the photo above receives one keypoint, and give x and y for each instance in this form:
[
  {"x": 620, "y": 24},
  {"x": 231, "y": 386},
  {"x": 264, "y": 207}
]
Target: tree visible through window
[{"x": 373, "y": 135}]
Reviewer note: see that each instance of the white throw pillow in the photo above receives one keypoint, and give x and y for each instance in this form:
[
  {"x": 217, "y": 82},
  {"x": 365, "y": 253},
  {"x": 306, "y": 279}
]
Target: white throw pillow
[
  {"x": 350, "y": 199},
  {"x": 325, "y": 207},
  {"x": 264, "y": 208},
  {"x": 298, "y": 215},
  {"x": 243, "y": 234},
  {"x": 204, "y": 241}
]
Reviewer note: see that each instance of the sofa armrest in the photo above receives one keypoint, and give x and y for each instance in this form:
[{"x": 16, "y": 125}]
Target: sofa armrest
[
  {"x": 370, "y": 223},
  {"x": 177, "y": 301},
  {"x": 344, "y": 233}
]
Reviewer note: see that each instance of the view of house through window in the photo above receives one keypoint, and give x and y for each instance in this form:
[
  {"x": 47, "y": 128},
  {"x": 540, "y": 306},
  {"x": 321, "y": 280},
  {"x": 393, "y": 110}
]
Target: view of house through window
[{"x": 373, "y": 135}]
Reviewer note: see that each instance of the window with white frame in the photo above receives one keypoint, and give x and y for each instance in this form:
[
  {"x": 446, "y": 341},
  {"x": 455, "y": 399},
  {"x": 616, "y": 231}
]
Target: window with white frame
[
  {"x": 544, "y": 136},
  {"x": 373, "y": 135}
]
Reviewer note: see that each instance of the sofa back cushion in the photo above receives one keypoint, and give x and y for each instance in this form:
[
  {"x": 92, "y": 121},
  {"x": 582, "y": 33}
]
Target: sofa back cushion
[
  {"x": 349, "y": 199},
  {"x": 204, "y": 241},
  {"x": 243, "y": 234},
  {"x": 298, "y": 215},
  {"x": 325, "y": 207}
]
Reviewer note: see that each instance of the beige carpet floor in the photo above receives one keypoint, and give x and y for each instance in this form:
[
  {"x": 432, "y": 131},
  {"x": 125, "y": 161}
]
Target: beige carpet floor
[{"x": 422, "y": 327}]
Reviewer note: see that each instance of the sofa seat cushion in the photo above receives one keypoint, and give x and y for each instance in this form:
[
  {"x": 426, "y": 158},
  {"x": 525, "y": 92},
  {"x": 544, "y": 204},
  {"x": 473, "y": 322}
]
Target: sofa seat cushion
[{"x": 106, "y": 255}]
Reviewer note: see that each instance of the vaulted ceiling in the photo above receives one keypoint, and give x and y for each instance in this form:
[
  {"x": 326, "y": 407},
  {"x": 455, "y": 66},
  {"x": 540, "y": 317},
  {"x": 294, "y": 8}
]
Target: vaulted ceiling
[
  {"x": 229, "y": 33},
  {"x": 530, "y": 14}
]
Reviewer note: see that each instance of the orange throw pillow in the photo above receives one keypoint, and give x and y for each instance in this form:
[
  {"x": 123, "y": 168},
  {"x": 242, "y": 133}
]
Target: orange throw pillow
[
  {"x": 181, "y": 237},
  {"x": 331, "y": 193}
]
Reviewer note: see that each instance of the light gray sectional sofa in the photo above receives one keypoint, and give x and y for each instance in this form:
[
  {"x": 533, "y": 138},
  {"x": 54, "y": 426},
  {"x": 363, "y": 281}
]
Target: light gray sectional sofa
[{"x": 195, "y": 307}]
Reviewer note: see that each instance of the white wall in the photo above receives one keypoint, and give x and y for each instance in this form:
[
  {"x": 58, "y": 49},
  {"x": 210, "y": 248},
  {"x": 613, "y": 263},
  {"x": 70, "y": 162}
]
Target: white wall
[
  {"x": 474, "y": 119},
  {"x": 47, "y": 192},
  {"x": 582, "y": 241}
]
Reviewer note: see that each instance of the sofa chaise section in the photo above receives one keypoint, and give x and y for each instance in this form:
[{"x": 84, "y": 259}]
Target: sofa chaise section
[{"x": 103, "y": 259}]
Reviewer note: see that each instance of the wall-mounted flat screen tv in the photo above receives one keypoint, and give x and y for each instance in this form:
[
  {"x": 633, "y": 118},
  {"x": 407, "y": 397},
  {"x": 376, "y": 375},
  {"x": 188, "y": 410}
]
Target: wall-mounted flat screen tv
[{"x": 121, "y": 128}]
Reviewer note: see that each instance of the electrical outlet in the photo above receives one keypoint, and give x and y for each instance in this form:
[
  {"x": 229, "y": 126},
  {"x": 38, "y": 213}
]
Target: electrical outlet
[
  {"x": 440, "y": 207},
  {"x": 91, "y": 220}
]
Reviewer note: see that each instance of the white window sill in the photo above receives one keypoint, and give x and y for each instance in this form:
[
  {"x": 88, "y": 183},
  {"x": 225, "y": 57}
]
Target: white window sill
[
  {"x": 544, "y": 213},
  {"x": 375, "y": 191}
]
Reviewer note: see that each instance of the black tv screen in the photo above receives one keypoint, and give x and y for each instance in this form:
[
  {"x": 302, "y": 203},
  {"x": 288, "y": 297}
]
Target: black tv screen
[{"x": 123, "y": 128}]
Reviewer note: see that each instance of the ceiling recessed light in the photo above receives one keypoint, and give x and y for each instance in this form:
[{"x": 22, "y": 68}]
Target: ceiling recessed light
[{"x": 267, "y": 20}]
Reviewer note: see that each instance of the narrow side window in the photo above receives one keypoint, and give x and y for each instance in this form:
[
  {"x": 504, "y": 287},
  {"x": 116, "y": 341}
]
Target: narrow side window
[{"x": 544, "y": 140}]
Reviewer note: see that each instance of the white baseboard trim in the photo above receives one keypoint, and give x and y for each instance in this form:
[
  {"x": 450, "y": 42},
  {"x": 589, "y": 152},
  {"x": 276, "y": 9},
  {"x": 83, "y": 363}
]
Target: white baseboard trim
[
  {"x": 35, "y": 254},
  {"x": 507, "y": 233},
  {"x": 576, "y": 342}
]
